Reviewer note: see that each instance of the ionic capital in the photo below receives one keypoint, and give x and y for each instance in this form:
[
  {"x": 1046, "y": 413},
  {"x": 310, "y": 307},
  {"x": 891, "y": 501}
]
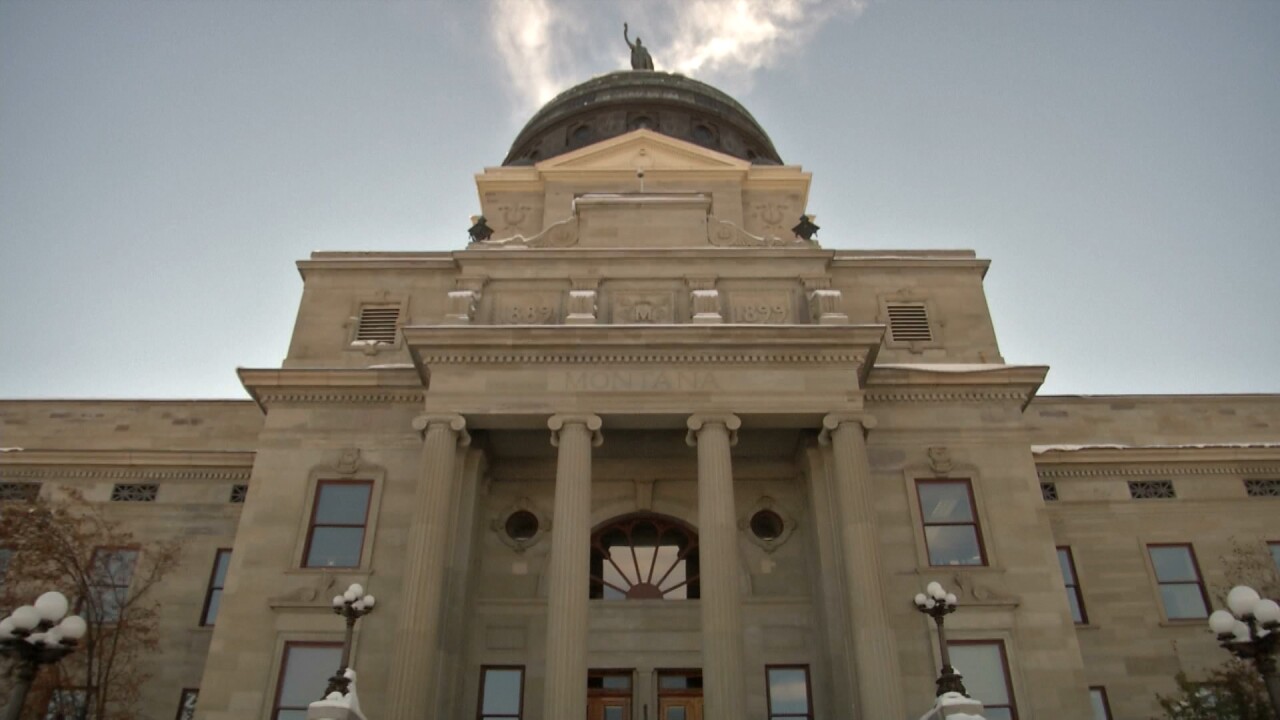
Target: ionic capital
[
  {"x": 454, "y": 422},
  {"x": 593, "y": 423},
  {"x": 833, "y": 421},
  {"x": 698, "y": 421}
]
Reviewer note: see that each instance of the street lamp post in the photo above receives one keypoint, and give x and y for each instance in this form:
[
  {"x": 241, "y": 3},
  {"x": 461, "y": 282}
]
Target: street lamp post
[
  {"x": 352, "y": 605},
  {"x": 1248, "y": 630},
  {"x": 35, "y": 635},
  {"x": 937, "y": 603}
]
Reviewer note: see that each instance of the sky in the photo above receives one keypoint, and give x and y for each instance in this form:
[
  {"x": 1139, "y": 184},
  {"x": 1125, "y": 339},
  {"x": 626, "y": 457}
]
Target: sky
[{"x": 164, "y": 164}]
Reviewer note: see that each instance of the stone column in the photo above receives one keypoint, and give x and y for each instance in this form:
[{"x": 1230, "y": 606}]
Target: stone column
[
  {"x": 722, "y": 685},
  {"x": 569, "y": 575},
  {"x": 874, "y": 651},
  {"x": 416, "y": 649}
]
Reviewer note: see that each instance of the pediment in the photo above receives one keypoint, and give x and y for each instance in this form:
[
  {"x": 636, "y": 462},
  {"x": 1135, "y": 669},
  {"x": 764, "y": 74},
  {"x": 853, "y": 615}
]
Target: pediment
[{"x": 642, "y": 149}]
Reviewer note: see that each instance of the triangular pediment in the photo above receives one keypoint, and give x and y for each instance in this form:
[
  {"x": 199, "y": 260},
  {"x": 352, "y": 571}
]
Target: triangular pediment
[{"x": 642, "y": 149}]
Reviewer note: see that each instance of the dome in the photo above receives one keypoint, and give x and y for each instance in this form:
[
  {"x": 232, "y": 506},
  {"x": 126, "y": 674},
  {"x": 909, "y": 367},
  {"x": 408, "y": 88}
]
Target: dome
[{"x": 626, "y": 100}]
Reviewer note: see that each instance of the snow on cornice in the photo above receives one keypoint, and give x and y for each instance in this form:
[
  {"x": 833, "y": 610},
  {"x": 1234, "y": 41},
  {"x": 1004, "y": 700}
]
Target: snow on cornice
[
  {"x": 1042, "y": 449},
  {"x": 952, "y": 367}
]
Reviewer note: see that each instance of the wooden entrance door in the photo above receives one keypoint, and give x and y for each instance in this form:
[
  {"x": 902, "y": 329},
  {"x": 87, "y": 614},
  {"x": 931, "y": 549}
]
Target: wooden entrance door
[{"x": 679, "y": 695}]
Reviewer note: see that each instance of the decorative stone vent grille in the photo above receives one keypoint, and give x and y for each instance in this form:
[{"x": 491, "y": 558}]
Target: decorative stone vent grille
[
  {"x": 1151, "y": 489},
  {"x": 378, "y": 323},
  {"x": 1049, "y": 491},
  {"x": 19, "y": 491},
  {"x": 134, "y": 492},
  {"x": 238, "y": 493},
  {"x": 1262, "y": 488},
  {"x": 909, "y": 322}
]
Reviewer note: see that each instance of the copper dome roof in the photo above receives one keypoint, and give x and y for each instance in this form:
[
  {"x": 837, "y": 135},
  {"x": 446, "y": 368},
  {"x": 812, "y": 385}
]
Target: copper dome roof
[{"x": 667, "y": 103}]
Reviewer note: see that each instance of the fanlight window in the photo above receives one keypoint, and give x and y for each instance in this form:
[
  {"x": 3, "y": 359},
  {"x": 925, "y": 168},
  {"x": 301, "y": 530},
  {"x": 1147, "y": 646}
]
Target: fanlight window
[{"x": 644, "y": 557}]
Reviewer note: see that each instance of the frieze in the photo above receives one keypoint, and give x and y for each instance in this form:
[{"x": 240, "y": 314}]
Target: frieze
[
  {"x": 934, "y": 396},
  {"x": 700, "y": 359},
  {"x": 1227, "y": 469},
  {"x": 268, "y": 397},
  {"x": 93, "y": 473},
  {"x": 638, "y": 381}
]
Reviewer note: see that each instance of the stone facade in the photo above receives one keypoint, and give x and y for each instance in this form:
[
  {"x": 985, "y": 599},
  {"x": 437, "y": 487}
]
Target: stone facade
[{"x": 659, "y": 344}]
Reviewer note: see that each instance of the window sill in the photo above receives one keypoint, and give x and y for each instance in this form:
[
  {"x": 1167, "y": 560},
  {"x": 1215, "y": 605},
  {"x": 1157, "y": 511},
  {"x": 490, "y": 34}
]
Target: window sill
[{"x": 1188, "y": 622}]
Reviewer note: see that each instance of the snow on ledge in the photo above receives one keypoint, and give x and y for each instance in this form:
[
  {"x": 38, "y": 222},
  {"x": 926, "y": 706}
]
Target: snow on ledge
[
  {"x": 1041, "y": 449},
  {"x": 952, "y": 367},
  {"x": 3, "y": 450}
]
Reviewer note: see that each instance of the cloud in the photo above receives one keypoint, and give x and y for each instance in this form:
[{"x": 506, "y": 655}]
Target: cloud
[{"x": 549, "y": 45}]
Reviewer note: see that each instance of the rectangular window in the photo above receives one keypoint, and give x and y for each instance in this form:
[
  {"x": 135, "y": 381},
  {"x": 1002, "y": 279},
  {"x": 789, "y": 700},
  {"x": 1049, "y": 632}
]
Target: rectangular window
[
  {"x": 305, "y": 670},
  {"x": 213, "y": 597},
  {"x": 1181, "y": 589},
  {"x": 336, "y": 536},
  {"x": 986, "y": 676},
  {"x": 110, "y": 572},
  {"x": 6, "y": 555},
  {"x": 1074, "y": 597},
  {"x": 239, "y": 493},
  {"x": 788, "y": 691},
  {"x": 1049, "y": 491},
  {"x": 501, "y": 693},
  {"x": 951, "y": 532},
  {"x": 66, "y": 704},
  {"x": 1274, "y": 547},
  {"x": 1101, "y": 708},
  {"x": 187, "y": 704}
]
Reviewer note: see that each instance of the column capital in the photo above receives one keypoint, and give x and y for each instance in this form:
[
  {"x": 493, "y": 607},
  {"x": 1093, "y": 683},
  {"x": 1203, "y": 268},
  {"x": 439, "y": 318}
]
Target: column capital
[
  {"x": 698, "y": 421},
  {"x": 453, "y": 421},
  {"x": 833, "y": 421},
  {"x": 592, "y": 422}
]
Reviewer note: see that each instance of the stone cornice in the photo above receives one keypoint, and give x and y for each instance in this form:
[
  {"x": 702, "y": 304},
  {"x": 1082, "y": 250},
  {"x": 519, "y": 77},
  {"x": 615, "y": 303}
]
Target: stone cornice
[
  {"x": 333, "y": 386},
  {"x": 1084, "y": 461},
  {"x": 929, "y": 383},
  {"x": 659, "y": 344},
  {"x": 125, "y": 465}
]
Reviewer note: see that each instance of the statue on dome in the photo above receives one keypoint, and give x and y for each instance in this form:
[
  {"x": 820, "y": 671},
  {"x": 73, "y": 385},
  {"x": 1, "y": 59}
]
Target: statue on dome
[{"x": 640, "y": 57}]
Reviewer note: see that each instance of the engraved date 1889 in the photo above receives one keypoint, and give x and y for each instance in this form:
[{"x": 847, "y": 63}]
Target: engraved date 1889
[{"x": 760, "y": 313}]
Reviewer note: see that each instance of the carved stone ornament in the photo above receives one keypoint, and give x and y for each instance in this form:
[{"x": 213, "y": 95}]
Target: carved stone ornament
[
  {"x": 825, "y": 307},
  {"x": 582, "y": 308},
  {"x": 940, "y": 460},
  {"x": 317, "y": 591},
  {"x": 772, "y": 540},
  {"x": 462, "y": 307},
  {"x": 517, "y": 537},
  {"x": 348, "y": 461},
  {"x": 982, "y": 593},
  {"x": 706, "y": 306},
  {"x": 643, "y": 308}
]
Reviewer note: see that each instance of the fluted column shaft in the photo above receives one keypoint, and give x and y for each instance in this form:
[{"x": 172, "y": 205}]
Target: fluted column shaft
[
  {"x": 875, "y": 652},
  {"x": 722, "y": 682},
  {"x": 569, "y": 574},
  {"x": 415, "y": 654}
]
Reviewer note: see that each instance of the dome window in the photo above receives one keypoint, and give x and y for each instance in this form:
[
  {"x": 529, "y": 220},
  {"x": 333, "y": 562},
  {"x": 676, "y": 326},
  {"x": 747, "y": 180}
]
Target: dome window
[
  {"x": 580, "y": 136},
  {"x": 641, "y": 122},
  {"x": 704, "y": 135}
]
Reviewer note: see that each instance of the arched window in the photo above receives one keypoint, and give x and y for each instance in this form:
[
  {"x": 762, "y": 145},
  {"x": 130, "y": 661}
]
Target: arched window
[{"x": 644, "y": 556}]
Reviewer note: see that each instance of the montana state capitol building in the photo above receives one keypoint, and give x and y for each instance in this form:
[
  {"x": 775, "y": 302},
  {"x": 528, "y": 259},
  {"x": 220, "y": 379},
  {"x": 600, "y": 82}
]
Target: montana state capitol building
[{"x": 644, "y": 450}]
